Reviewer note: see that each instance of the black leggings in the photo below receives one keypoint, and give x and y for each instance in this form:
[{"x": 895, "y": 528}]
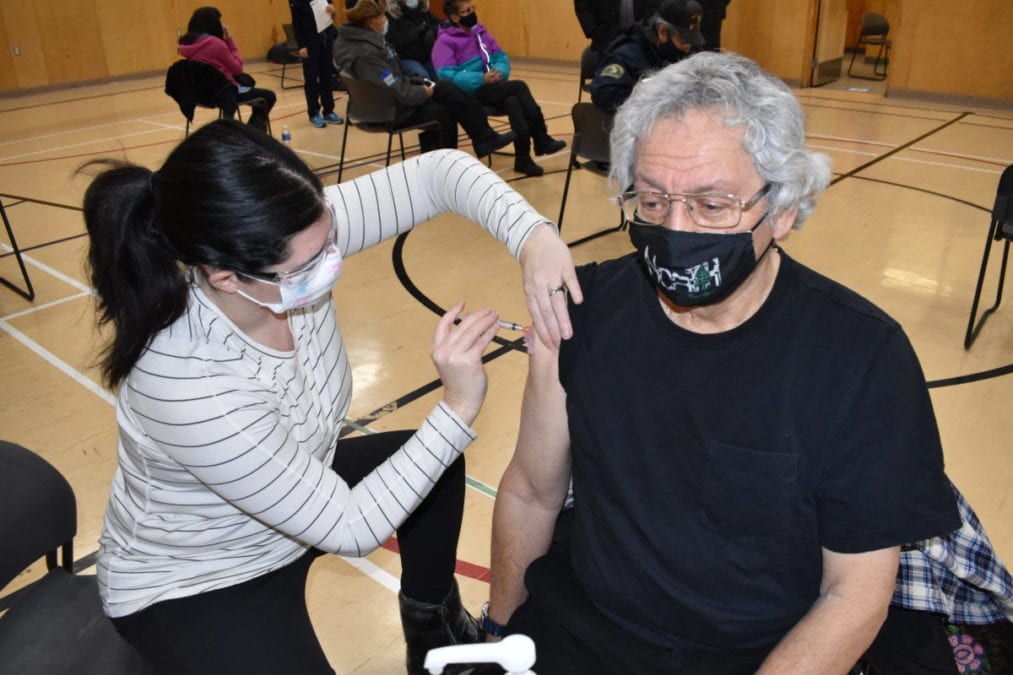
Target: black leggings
[{"x": 262, "y": 625}]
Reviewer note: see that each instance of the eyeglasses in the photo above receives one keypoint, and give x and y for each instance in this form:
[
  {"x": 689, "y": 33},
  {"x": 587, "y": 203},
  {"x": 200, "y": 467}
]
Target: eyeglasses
[
  {"x": 305, "y": 271},
  {"x": 712, "y": 211}
]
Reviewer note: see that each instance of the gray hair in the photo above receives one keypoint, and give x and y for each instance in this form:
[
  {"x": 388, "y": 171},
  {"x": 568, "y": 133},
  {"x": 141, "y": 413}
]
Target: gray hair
[{"x": 743, "y": 94}]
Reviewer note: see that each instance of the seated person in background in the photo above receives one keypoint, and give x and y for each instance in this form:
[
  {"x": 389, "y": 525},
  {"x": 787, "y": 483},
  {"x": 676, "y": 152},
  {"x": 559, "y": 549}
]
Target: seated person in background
[
  {"x": 208, "y": 40},
  {"x": 602, "y": 20},
  {"x": 361, "y": 51},
  {"x": 412, "y": 33},
  {"x": 668, "y": 36},
  {"x": 749, "y": 442},
  {"x": 468, "y": 56}
]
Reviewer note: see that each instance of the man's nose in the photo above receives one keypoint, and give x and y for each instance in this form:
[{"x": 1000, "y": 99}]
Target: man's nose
[{"x": 679, "y": 218}]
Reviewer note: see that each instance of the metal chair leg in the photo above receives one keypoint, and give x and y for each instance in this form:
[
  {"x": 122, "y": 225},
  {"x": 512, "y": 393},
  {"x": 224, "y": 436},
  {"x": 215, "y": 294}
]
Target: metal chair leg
[
  {"x": 30, "y": 293},
  {"x": 973, "y": 329},
  {"x": 566, "y": 184},
  {"x": 344, "y": 142}
]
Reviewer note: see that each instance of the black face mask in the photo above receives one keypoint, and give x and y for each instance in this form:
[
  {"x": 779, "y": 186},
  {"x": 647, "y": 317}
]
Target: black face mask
[
  {"x": 670, "y": 52},
  {"x": 695, "y": 268},
  {"x": 469, "y": 20}
]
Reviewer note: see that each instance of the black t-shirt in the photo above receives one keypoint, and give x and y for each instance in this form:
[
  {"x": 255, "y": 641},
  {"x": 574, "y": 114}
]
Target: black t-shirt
[{"x": 709, "y": 470}]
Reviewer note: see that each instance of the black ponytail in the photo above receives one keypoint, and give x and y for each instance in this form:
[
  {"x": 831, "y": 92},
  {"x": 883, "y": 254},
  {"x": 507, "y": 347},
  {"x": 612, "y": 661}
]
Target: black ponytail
[
  {"x": 228, "y": 197},
  {"x": 141, "y": 287}
]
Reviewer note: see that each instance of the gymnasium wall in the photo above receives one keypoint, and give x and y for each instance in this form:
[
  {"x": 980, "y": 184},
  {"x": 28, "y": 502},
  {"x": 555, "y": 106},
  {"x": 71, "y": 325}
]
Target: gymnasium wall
[{"x": 938, "y": 47}]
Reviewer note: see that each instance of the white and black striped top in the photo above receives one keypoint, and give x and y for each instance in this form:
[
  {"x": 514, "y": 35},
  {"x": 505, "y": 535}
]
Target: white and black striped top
[{"x": 225, "y": 445}]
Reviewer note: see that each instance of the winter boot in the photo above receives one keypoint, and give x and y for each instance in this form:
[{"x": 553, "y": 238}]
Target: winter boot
[{"x": 427, "y": 626}]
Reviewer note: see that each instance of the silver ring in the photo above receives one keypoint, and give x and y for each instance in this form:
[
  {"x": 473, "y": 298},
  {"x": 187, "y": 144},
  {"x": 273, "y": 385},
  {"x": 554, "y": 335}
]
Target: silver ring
[{"x": 557, "y": 289}]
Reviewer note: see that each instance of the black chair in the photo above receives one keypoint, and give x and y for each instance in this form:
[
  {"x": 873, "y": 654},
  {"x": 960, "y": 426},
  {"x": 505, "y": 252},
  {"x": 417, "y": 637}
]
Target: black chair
[
  {"x": 372, "y": 108},
  {"x": 292, "y": 47},
  {"x": 55, "y": 625},
  {"x": 192, "y": 84},
  {"x": 1000, "y": 228},
  {"x": 28, "y": 294},
  {"x": 873, "y": 32},
  {"x": 496, "y": 111},
  {"x": 589, "y": 62},
  {"x": 591, "y": 129}
]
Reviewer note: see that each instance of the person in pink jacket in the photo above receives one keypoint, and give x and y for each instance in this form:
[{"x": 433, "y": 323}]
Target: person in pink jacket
[{"x": 207, "y": 40}]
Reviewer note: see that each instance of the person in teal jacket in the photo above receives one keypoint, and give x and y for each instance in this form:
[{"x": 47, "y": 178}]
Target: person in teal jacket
[{"x": 467, "y": 55}]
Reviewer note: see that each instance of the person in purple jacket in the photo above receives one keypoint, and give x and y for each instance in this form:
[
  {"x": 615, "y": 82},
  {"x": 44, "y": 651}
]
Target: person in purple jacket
[
  {"x": 467, "y": 55},
  {"x": 208, "y": 40}
]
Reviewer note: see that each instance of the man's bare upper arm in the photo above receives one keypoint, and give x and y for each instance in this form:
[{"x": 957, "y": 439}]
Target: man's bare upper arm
[{"x": 541, "y": 463}]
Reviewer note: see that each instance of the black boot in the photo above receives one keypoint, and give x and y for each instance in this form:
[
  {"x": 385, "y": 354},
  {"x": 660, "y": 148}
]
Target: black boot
[
  {"x": 547, "y": 145},
  {"x": 427, "y": 626},
  {"x": 492, "y": 142}
]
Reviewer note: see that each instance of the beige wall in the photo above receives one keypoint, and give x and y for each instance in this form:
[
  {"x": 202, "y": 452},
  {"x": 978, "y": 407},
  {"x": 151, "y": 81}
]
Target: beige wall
[
  {"x": 936, "y": 49},
  {"x": 96, "y": 39}
]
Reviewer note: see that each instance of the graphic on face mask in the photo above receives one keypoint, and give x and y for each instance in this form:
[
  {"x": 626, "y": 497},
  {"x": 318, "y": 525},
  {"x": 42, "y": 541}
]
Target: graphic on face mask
[
  {"x": 695, "y": 268},
  {"x": 698, "y": 279}
]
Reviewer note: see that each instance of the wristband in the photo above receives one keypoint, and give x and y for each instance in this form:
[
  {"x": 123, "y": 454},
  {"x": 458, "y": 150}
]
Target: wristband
[{"x": 490, "y": 627}]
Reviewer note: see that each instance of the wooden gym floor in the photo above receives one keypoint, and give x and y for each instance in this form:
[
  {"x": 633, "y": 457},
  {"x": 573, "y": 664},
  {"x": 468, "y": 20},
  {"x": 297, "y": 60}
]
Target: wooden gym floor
[{"x": 903, "y": 223}]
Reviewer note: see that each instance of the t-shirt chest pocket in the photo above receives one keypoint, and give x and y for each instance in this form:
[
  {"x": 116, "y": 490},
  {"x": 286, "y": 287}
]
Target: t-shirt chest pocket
[{"x": 747, "y": 493}]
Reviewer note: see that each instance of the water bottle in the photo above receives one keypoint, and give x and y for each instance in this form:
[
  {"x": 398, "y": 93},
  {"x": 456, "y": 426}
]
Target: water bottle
[{"x": 286, "y": 135}]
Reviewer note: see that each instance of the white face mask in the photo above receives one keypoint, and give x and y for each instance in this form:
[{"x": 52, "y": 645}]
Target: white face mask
[
  {"x": 411, "y": 4},
  {"x": 306, "y": 285},
  {"x": 386, "y": 27}
]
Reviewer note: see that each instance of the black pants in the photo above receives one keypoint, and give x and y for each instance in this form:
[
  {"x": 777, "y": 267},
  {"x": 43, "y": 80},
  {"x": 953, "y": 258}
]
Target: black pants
[
  {"x": 911, "y": 643},
  {"x": 526, "y": 117},
  {"x": 262, "y": 626},
  {"x": 316, "y": 72},
  {"x": 572, "y": 635},
  {"x": 450, "y": 106},
  {"x": 263, "y": 102}
]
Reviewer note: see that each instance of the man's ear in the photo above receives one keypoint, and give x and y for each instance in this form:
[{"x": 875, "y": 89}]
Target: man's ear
[
  {"x": 662, "y": 34},
  {"x": 225, "y": 281},
  {"x": 783, "y": 223}
]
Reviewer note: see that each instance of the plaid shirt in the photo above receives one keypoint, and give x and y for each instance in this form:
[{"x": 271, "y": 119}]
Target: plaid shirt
[{"x": 958, "y": 575}]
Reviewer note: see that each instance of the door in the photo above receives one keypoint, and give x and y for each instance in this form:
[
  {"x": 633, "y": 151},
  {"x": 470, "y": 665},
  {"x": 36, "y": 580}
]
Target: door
[{"x": 828, "y": 55}]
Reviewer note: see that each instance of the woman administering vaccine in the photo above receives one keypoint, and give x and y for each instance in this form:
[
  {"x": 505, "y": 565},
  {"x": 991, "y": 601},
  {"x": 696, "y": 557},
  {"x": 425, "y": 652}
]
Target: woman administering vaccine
[{"x": 215, "y": 274}]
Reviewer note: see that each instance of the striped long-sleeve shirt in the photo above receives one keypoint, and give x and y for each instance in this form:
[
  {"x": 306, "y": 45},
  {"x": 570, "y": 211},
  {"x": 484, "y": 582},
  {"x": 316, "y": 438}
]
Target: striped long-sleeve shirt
[{"x": 225, "y": 445}]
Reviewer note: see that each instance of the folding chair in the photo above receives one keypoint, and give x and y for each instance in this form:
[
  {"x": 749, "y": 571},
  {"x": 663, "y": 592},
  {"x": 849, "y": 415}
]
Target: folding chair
[
  {"x": 193, "y": 83},
  {"x": 55, "y": 625},
  {"x": 26, "y": 294},
  {"x": 372, "y": 108},
  {"x": 873, "y": 32},
  {"x": 292, "y": 47},
  {"x": 589, "y": 62},
  {"x": 1000, "y": 228},
  {"x": 495, "y": 111},
  {"x": 591, "y": 142}
]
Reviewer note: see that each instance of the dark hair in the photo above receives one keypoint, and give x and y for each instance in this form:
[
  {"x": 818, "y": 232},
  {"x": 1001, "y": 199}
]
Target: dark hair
[
  {"x": 204, "y": 21},
  {"x": 228, "y": 197},
  {"x": 449, "y": 7}
]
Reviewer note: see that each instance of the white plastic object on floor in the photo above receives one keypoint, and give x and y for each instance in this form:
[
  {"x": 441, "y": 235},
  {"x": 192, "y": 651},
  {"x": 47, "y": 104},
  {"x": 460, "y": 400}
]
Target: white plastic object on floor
[{"x": 514, "y": 653}]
